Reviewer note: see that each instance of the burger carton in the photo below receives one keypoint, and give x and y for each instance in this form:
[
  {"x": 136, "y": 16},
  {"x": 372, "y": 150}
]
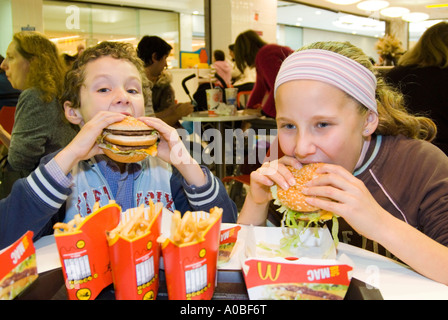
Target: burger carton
[
  {"x": 190, "y": 268},
  {"x": 296, "y": 279},
  {"x": 308, "y": 270},
  {"x": 135, "y": 262},
  {"x": 17, "y": 267},
  {"x": 84, "y": 254}
]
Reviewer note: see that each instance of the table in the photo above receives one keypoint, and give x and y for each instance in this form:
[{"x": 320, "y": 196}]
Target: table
[
  {"x": 219, "y": 122},
  {"x": 371, "y": 271}
]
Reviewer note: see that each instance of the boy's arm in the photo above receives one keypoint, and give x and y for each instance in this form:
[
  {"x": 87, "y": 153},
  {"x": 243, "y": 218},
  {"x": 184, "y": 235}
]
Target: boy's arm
[
  {"x": 211, "y": 194},
  {"x": 31, "y": 204}
]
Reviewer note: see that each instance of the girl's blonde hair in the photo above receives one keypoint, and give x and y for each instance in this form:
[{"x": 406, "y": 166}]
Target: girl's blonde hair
[
  {"x": 431, "y": 50},
  {"x": 74, "y": 78},
  {"x": 46, "y": 71},
  {"x": 393, "y": 116}
]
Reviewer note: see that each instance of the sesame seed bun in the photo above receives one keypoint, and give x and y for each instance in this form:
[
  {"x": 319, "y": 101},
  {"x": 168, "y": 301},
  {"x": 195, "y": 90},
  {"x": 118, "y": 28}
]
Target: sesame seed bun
[{"x": 294, "y": 199}]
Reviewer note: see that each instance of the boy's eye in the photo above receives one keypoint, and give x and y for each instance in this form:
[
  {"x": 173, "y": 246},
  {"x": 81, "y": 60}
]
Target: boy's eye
[
  {"x": 132, "y": 90},
  {"x": 103, "y": 90}
]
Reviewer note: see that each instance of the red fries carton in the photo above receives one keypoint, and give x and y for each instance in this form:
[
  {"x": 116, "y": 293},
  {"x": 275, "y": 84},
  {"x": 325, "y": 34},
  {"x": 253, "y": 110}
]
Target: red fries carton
[
  {"x": 17, "y": 267},
  {"x": 190, "y": 268},
  {"x": 135, "y": 253},
  {"x": 84, "y": 253},
  {"x": 296, "y": 279}
]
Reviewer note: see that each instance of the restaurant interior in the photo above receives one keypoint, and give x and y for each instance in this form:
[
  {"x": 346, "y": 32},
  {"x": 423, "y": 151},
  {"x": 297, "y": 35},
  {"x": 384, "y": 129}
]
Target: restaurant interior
[{"x": 192, "y": 28}]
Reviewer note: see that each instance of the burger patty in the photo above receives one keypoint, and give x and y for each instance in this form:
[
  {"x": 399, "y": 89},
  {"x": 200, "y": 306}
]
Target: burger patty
[
  {"x": 130, "y": 148},
  {"x": 130, "y": 133}
]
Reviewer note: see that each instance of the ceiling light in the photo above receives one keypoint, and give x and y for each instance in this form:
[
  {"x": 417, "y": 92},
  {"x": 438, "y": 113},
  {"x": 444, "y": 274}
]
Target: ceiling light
[
  {"x": 415, "y": 16},
  {"x": 394, "y": 12},
  {"x": 372, "y": 5},
  {"x": 343, "y": 2}
]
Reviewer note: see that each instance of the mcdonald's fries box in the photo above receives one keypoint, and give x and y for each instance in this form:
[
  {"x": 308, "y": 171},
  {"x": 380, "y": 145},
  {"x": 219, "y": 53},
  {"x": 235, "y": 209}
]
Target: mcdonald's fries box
[
  {"x": 84, "y": 253},
  {"x": 18, "y": 267},
  {"x": 190, "y": 268},
  {"x": 135, "y": 257}
]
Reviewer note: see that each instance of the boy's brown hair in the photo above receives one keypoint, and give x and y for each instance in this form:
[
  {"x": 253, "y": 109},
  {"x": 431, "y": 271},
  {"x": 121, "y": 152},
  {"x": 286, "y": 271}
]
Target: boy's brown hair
[{"x": 74, "y": 78}]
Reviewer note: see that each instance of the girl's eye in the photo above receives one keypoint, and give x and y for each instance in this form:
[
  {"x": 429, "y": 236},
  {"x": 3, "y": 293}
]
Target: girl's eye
[
  {"x": 288, "y": 126},
  {"x": 103, "y": 90},
  {"x": 323, "y": 124},
  {"x": 133, "y": 91}
]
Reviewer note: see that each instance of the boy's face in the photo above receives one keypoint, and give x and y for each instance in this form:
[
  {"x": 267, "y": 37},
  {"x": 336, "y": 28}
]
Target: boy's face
[
  {"x": 110, "y": 85},
  {"x": 319, "y": 123}
]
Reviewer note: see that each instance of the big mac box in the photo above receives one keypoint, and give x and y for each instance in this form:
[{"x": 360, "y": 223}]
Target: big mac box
[
  {"x": 84, "y": 251},
  {"x": 135, "y": 252},
  {"x": 17, "y": 267},
  {"x": 190, "y": 254}
]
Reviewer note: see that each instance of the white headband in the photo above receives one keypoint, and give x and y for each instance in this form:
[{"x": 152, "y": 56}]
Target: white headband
[{"x": 332, "y": 68}]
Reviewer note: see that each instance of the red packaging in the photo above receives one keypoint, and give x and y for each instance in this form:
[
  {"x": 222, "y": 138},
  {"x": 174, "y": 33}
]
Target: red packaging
[
  {"x": 296, "y": 279},
  {"x": 190, "y": 269},
  {"x": 17, "y": 267},
  {"x": 135, "y": 262},
  {"x": 84, "y": 254}
]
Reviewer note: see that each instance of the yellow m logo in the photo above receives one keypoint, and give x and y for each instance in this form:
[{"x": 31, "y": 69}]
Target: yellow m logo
[{"x": 268, "y": 272}]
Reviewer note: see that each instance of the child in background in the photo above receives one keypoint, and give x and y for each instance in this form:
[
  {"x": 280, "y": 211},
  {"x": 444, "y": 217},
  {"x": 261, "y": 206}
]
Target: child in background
[
  {"x": 110, "y": 78},
  {"x": 385, "y": 182},
  {"x": 222, "y": 67}
]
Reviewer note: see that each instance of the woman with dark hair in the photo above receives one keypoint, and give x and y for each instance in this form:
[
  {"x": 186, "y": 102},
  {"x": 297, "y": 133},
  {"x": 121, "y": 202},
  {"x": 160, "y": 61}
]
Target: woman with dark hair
[
  {"x": 422, "y": 76},
  {"x": 252, "y": 51},
  {"x": 154, "y": 51}
]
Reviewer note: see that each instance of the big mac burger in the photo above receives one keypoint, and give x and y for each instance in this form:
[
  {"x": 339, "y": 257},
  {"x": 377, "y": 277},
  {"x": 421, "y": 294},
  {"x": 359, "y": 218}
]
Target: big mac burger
[
  {"x": 297, "y": 213},
  {"x": 128, "y": 141}
]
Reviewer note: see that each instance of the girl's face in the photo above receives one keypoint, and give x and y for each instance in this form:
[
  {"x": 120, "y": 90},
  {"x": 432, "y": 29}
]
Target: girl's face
[
  {"x": 317, "y": 122},
  {"x": 111, "y": 85},
  {"x": 16, "y": 67}
]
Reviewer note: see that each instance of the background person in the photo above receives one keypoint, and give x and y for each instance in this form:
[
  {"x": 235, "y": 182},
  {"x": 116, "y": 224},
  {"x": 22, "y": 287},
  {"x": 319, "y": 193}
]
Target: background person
[
  {"x": 422, "y": 76},
  {"x": 154, "y": 51},
  {"x": 33, "y": 65},
  {"x": 253, "y": 52}
]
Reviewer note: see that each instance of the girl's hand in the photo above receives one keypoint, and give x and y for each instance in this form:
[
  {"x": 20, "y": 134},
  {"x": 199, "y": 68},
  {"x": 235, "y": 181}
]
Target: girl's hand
[
  {"x": 270, "y": 173},
  {"x": 338, "y": 191}
]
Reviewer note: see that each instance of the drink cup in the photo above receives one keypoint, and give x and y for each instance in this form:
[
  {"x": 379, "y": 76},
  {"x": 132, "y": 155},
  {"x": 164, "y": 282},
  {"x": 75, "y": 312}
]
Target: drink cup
[
  {"x": 213, "y": 99},
  {"x": 231, "y": 94}
]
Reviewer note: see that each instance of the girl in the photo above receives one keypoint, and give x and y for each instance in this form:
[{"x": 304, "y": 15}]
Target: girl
[{"x": 384, "y": 181}]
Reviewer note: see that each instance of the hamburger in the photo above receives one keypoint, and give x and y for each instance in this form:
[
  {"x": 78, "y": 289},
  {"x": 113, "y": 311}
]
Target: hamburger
[
  {"x": 128, "y": 141},
  {"x": 297, "y": 213},
  {"x": 293, "y": 200}
]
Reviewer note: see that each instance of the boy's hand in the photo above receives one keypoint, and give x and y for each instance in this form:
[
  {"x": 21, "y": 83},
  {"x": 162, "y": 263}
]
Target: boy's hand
[
  {"x": 172, "y": 150},
  {"x": 84, "y": 145}
]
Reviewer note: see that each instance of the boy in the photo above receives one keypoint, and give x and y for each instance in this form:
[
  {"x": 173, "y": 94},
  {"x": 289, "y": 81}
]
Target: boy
[{"x": 109, "y": 78}]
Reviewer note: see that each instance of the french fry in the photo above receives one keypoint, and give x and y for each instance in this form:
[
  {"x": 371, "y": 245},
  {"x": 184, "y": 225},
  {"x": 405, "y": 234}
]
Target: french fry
[
  {"x": 191, "y": 226},
  {"x": 137, "y": 225},
  {"x": 71, "y": 226}
]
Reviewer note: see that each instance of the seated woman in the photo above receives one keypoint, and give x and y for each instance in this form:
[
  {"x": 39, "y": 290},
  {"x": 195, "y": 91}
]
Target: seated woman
[{"x": 33, "y": 65}]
